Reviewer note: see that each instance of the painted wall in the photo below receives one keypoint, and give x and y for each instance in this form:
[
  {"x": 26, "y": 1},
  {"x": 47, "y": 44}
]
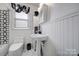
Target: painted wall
[{"x": 63, "y": 28}]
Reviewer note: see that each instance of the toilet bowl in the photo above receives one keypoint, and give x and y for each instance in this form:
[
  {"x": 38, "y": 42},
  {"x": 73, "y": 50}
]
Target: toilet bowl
[{"x": 16, "y": 49}]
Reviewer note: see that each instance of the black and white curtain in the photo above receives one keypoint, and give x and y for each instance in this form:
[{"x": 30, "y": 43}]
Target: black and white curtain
[{"x": 4, "y": 26}]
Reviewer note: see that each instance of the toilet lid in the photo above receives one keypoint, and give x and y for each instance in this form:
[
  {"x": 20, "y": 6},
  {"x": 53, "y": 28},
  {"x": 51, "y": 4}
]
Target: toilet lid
[{"x": 15, "y": 46}]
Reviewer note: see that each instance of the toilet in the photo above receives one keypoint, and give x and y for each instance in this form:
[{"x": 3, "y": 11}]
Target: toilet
[
  {"x": 16, "y": 49},
  {"x": 22, "y": 48}
]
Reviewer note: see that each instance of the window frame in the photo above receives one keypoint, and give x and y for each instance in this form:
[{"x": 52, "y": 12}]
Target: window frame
[{"x": 15, "y": 19}]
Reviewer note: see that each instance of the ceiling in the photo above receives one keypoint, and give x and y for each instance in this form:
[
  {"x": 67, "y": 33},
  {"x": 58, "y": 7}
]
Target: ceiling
[{"x": 34, "y": 4}]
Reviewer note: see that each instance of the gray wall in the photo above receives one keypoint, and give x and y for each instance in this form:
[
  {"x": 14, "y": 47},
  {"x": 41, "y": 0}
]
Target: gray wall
[{"x": 63, "y": 28}]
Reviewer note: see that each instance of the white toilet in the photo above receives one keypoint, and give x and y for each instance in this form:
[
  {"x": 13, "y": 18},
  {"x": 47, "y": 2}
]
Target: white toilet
[
  {"x": 24, "y": 48},
  {"x": 16, "y": 49}
]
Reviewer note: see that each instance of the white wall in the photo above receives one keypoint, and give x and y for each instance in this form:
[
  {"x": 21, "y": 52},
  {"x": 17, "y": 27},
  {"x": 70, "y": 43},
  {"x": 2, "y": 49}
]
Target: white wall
[
  {"x": 63, "y": 28},
  {"x": 47, "y": 29},
  {"x": 18, "y": 34}
]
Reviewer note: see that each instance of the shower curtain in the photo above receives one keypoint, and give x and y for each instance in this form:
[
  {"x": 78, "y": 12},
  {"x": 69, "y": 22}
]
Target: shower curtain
[{"x": 4, "y": 26}]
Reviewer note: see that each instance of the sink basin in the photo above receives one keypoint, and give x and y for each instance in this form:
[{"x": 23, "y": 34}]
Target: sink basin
[{"x": 39, "y": 36}]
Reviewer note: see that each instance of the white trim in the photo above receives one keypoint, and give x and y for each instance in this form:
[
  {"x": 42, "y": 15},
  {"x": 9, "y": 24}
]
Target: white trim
[{"x": 73, "y": 14}]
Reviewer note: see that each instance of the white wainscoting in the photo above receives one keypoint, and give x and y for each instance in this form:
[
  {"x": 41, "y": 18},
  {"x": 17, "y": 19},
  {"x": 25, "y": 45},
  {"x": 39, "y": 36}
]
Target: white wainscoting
[{"x": 67, "y": 34}]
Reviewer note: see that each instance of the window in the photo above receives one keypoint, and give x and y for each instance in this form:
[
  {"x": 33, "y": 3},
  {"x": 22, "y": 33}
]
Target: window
[{"x": 21, "y": 21}]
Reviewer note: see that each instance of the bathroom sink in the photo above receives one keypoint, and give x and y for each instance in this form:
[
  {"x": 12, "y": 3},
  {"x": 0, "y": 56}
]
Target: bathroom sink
[{"x": 39, "y": 36}]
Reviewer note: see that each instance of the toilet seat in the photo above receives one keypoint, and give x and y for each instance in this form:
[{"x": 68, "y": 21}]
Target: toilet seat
[{"x": 15, "y": 46}]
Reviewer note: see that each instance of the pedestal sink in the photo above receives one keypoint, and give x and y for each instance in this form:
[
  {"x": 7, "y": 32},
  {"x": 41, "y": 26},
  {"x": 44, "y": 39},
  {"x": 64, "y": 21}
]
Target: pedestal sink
[{"x": 38, "y": 40}]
